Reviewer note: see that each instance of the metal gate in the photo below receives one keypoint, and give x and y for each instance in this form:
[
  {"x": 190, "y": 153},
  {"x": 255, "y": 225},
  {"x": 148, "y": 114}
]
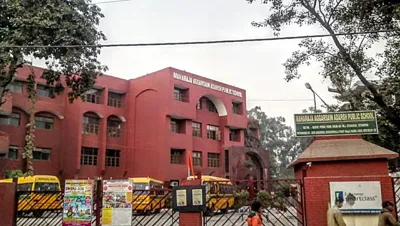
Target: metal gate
[
  {"x": 229, "y": 204},
  {"x": 396, "y": 194}
]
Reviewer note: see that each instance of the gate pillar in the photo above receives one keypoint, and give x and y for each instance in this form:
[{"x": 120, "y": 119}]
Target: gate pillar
[
  {"x": 190, "y": 219},
  {"x": 346, "y": 166},
  {"x": 8, "y": 204}
]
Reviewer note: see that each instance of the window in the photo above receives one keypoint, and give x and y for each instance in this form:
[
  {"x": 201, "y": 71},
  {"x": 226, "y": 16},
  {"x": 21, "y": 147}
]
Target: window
[
  {"x": 213, "y": 160},
  {"x": 213, "y": 132},
  {"x": 177, "y": 126},
  {"x": 92, "y": 96},
  {"x": 12, "y": 120},
  {"x": 12, "y": 153},
  {"x": 210, "y": 106},
  {"x": 44, "y": 122},
  {"x": 44, "y": 91},
  {"x": 24, "y": 187},
  {"x": 176, "y": 156},
  {"x": 113, "y": 158},
  {"x": 196, "y": 129},
  {"x": 199, "y": 104},
  {"x": 15, "y": 87},
  {"x": 89, "y": 156},
  {"x": 197, "y": 160},
  {"x": 114, "y": 127},
  {"x": 180, "y": 94},
  {"x": 237, "y": 108},
  {"x": 90, "y": 124},
  {"x": 114, "y": 99},
  {"x": 234, "y": 135},
  {"x": 41, "y": 154}
]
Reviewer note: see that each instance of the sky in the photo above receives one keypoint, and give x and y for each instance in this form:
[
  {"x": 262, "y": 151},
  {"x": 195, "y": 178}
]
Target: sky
[{"x": 255, "y": 67}]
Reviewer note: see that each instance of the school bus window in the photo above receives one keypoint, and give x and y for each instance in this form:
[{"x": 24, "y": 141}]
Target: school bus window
[
  {"x": 140, "y": 188},
  {"x": 24, "y": 187},
  {"x": 225, "y": 189},
  {"x": 46, "y": 186}
]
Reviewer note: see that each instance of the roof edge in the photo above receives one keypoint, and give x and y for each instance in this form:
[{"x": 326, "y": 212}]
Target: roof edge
[{"x": 343, "y": 158}]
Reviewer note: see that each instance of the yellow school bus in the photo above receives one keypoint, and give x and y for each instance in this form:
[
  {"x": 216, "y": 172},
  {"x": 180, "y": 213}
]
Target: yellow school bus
[
  {"x": 36, "y": 194},
  {"x": 144, "y": 200},
  {"x": 219, "y": 193}
]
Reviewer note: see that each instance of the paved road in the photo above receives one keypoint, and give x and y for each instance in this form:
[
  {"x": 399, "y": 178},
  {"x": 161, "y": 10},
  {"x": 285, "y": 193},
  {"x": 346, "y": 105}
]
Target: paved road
[{"x": 167, "y": 218}]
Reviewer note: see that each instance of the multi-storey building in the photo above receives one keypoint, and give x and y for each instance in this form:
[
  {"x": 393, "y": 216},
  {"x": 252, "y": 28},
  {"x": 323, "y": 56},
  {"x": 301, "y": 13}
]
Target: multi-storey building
[{"x": 125, "y": 128}]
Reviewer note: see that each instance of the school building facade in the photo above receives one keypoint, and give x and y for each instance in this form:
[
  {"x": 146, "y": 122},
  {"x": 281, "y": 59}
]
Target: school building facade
[{"x": 125, "y": 128}]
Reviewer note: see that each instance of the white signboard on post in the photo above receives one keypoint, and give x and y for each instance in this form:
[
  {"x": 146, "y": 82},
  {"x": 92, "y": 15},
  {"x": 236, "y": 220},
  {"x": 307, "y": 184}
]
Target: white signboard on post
[{"x": 360, "y": 197}]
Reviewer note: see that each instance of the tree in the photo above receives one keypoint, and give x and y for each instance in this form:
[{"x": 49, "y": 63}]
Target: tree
[
  {"x": 279, "y": 139},
  {"x": 345, "y": 59},
  {"x": 51, "y": 23}
]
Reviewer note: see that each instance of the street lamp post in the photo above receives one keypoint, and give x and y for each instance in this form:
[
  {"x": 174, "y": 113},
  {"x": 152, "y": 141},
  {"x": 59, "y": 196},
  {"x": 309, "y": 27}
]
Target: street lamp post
[{"x": 308, "y": 86}]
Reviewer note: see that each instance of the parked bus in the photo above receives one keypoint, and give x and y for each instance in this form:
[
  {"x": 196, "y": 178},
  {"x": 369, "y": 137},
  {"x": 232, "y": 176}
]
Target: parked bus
[
  {"x": 148, "y": 195},
  {"x": 39, "y": 193},
  {"x": 219, "y": 193}
]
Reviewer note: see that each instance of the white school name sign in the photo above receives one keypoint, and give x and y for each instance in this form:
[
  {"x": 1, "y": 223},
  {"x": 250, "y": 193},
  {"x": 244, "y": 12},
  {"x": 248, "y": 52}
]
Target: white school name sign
[
  {"x": 206, "y": 84},
  {"x": 360, "y": 197}
]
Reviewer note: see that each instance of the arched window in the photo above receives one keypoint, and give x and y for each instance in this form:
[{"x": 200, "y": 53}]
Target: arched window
[
  {"x": 91, "y": 123},
  {"x": 114, "y": 125}
]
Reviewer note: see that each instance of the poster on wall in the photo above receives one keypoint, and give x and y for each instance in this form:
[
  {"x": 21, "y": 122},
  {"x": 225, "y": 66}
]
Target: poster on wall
[
  {"x": 78, "y": 203},
  {"x": 117, "y": 203},
  {"x": 360, "y": 197}
]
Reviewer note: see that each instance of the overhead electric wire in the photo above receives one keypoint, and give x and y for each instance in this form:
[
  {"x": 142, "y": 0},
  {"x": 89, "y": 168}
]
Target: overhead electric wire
[
  {"x": 107, "y": 2},
  {"x": 197, "y": 42},
  {"x": 280, "y": 100}
]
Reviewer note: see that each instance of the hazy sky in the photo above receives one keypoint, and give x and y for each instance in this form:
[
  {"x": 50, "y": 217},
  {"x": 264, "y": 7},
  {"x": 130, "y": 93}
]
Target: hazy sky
[{"x": 256, "y": 67}]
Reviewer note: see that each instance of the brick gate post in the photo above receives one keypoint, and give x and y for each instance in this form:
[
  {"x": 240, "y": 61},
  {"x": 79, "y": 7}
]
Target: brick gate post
[
  {"x": 8, "y": 204},
  {"x": 190, "y": 219}
]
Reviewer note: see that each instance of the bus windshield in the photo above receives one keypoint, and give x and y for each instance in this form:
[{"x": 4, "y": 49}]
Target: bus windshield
[
  {"x": 41, "y": 186},
  {"x": 139, "y": 188}
]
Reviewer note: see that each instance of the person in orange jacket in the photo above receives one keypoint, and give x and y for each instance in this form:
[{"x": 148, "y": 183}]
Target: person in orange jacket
[{"x": 255, "y": 215}]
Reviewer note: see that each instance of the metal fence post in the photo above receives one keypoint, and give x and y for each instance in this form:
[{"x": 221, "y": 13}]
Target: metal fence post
[
  {"x": 15, "y": 212},
  {"x": 99, "y": 203}
]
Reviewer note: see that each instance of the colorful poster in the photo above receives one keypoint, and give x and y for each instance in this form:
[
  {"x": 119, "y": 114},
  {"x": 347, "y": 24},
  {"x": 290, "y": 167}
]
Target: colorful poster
[
  {"x": 117, "y": 203},
  {"x": 78, "y": 203},
  {"x": 181, "y": 198}
]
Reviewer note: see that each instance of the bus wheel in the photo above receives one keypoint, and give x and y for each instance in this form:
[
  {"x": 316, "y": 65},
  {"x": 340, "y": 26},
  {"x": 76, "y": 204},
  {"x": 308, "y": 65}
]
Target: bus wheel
[
  {"x": 38, "y": 213},
  {"x": 20, "y": 214},
  {"x": 157, "y": 211},
  {"x": 224, "y": 211},
  {"x": 210, "y": 211}
]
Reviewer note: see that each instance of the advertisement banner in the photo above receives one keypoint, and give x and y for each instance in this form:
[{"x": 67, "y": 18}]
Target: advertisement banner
[
  {"x": 78, "y": 203},
  {"x": 336, "y": 123},
  {"x": 361, "y": 197},
  {"x": 117, "y": 203}
]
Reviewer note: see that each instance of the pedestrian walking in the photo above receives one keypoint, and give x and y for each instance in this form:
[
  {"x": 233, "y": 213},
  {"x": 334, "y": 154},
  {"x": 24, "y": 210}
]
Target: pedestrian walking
[
  {"x": 386, "y": 218},
  {"x": 255, "y": 215},
  {"x": 334, "y": 216}
]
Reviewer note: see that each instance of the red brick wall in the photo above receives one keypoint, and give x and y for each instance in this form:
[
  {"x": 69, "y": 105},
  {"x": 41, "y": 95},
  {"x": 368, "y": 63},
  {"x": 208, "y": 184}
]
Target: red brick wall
[
  {"x": 348, "y": 168},
  {"x": 7, "y": 204},
  {"x": 317, "y": 194}
]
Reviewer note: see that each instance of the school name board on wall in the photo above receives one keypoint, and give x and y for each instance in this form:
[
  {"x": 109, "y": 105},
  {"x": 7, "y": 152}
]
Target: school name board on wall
[
  {"x": 360, "y": 197},
  {"x": 206, "y": 84},
  {"x": 337, "y": 123}
]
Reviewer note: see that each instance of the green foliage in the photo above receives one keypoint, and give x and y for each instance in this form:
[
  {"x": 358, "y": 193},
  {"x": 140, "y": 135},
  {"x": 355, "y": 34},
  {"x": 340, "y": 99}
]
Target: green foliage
[
  {"x": 15, "y": 174},
  {"x": 279, "y": 139},
  {"x": 241, "y": 199},
  {"x": 56, "y": 23},
  {"x": 344, "y": 60}
]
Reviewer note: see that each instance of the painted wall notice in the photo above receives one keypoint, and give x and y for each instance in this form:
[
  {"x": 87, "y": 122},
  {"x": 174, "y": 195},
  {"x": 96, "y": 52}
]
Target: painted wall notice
[
  {"x": 117, "y": 203},
  {"x": 78, "y": 203},
  {"x": 359, "y": 196},
  {"x": 181, "y": 197}
]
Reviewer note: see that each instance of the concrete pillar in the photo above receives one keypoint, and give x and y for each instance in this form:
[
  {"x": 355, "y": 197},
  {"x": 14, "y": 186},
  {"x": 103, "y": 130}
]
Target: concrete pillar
[{"x": 190, "y": 219}]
